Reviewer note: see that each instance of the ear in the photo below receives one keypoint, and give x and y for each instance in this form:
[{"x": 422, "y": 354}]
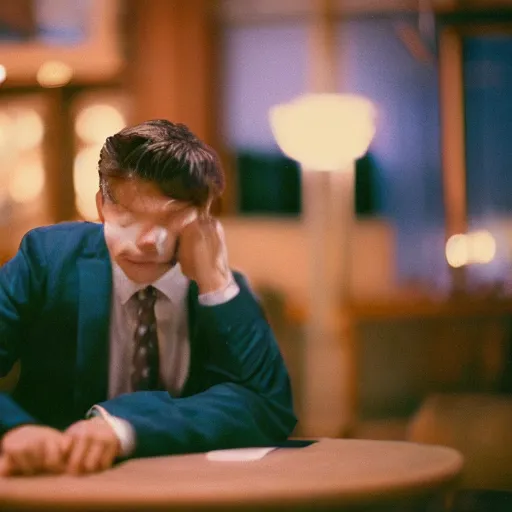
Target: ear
[{"x": 99, "y": 205}]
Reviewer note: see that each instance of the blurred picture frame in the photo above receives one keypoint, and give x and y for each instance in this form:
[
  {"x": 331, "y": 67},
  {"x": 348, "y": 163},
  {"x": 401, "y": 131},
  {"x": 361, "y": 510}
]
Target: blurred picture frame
[{"x": 83, "y": 35}]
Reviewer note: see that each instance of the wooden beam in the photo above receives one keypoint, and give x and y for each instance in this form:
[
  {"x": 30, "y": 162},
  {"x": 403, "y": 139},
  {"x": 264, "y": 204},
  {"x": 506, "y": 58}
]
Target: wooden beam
[
  {"x": 59, "y": 157},
  {"x": 453, "y": 147},
  {"x": 175, "y": 71},
  {"x": 18, "y": 16},
  {"x": 173, "y": 68}
]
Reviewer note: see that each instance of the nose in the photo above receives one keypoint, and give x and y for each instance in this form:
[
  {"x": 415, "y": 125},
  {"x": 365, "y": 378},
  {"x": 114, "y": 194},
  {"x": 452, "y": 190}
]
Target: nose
[{"x": 148, "y": 240}]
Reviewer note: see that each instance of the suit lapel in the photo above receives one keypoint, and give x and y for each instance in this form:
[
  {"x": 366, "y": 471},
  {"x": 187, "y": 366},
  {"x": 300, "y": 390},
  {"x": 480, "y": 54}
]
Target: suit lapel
[
  {"x": 191, "y": 384},
  {"x": 92, "y": 363}
]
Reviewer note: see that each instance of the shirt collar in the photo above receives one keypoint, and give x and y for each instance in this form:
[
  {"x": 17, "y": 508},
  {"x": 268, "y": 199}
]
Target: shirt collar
[{"x": 173, "y": 284}]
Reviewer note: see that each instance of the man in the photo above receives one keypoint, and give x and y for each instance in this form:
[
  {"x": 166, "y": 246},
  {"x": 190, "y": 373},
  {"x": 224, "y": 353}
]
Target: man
[{"x": 135, "y": 338}]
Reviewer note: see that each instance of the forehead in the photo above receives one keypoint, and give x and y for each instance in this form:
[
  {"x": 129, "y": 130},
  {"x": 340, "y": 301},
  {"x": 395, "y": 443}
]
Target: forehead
[{"x": 142, "y": 196}]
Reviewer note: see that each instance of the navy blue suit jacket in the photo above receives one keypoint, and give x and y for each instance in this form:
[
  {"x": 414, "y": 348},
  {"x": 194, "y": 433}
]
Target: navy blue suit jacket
[{"x": 55, "y": 297}]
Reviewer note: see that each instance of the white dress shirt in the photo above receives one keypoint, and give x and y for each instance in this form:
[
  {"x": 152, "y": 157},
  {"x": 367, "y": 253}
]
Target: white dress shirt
[{"x": 171, "y": 314}]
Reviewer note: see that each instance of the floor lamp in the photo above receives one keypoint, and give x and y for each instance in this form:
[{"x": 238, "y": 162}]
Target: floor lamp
[{"x": 326, "y": 133}]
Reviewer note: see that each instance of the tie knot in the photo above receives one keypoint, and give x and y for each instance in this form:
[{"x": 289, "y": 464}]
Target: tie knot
[{"x": 147, "y": 294}]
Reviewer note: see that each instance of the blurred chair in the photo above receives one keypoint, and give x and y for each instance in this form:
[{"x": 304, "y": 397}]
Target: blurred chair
[{"x": 477, "y": 425}]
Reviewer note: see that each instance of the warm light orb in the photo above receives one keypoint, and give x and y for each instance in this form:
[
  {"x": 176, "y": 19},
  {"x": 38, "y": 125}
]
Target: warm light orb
[
  {"x": 5, "y": 131},
  {"x": 54, "y": 73},
  {"x": 478, "y": 247},
  {"x": 85, "y": 178},
  {"x": 3, "y": 74},
  {"x": 457, "y": 251},
  {"x": 26, "y": 182},
  {"x": 27, "y": 128},
  {"x": 96, "y": 122},
  {"x": 324, "y": 132},
  {"x": 483, "y": 247}
]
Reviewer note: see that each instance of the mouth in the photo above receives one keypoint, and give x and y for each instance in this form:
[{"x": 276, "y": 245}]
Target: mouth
[{"x": 142, "y": 263}]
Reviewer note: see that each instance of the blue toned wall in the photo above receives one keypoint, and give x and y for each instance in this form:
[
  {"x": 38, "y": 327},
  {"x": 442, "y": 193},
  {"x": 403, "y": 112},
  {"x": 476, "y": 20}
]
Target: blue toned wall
[
  {"x": 406, "y": 148},
  {"x": 488, "y": 103},
  {"x": 488, "y": 82},
  {"x": 264, "y": 65}
]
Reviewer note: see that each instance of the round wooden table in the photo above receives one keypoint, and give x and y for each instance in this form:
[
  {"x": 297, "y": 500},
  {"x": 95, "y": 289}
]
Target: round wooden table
[{"x": 331, "y": 473}]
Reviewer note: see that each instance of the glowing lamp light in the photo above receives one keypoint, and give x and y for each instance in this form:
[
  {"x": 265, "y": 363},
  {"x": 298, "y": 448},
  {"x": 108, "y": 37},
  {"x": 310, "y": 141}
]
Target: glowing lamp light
[
  {"x": 478, "y": 247},
  {"x": 483, "y": 247},
  {"x": 27, "y": 183},
  {"x": 457, "y": 251},
  {"x": 96, "y": 122},
  {"x": 3, "y": 74},
  {"x": 324, "y": 132},
  {"x": 54, "y": 73},
  {"x": 85, "y": 178},
  {"x": 5, "y": 131},
  {"x": 27, "y": 128}
]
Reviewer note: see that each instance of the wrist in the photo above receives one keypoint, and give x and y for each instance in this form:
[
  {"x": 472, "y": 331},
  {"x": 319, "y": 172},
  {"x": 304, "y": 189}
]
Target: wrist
[
  {"x": 122, "y": 429},
  {"x": 213, "y": 283}
]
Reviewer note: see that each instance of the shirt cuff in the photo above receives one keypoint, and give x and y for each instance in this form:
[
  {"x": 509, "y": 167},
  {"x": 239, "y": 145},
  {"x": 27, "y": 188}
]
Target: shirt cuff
[
  {"x": 122, "y": 428},
  {"x": 220, "y": 296}
]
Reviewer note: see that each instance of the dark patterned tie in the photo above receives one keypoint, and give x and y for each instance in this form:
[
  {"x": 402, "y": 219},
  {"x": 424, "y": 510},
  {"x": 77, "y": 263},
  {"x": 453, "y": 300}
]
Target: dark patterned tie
[{"x": 146, "y": 367}]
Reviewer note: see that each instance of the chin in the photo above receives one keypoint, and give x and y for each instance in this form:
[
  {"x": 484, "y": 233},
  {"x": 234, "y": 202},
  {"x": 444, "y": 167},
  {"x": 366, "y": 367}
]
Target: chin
[{"x": 144, "y": 272}]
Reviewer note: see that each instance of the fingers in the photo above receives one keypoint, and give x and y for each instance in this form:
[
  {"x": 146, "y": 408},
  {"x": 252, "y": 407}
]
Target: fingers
[
  {"x": 77, "y": 455},
  {"x": 25, "y": 458},
  {"x": 6, "y": 465},
  {"x": 44, "y": 456},
  {"x": 92, "y": 460},
  {"x": 23, "y": 463},
  {"x": 109, "y": 456},
  {"x": 205, "y": 212},
  {"x": 31, "y": 449},
  {"x": 66, "y": 443},
  {"x": 93, "y": 446},
  {"x": 186, "y": 218},
  {"x": 220, "y": 230},
  {"x": 54, "y": 457}
]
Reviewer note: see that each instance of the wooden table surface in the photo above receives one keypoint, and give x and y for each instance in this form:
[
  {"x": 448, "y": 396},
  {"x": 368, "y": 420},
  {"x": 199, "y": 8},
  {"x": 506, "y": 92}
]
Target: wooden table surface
[{"x": 331, "y": 472}]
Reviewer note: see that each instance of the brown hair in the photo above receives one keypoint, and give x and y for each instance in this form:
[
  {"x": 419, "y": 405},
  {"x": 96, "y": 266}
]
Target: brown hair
[{"x": 167, "y": 154}]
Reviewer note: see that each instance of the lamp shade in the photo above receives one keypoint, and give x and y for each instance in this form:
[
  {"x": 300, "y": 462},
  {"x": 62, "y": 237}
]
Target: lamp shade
[{"x": 324, "y": 132}]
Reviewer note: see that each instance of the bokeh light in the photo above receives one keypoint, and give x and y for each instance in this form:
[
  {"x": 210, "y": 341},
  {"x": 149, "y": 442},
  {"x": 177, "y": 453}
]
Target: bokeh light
[
  {"x": 85, "y": 178},
  {"x": 5, "y": 130},
  {"x": 309, "y": 129},
  {"x": 483, "y": 247},
  {"x": 27, "y": 128},
  {"x": 457, "y": 251},
  {"x": 97, "y": 122},
  {"x": 54, "y": 74},
  {"x": 478, "y": 247},
  {"x": 27, "y": 182}
]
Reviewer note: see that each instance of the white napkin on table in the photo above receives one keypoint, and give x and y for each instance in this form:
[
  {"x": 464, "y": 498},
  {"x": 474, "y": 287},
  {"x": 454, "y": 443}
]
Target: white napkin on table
[{"x": 239, "y": 454}]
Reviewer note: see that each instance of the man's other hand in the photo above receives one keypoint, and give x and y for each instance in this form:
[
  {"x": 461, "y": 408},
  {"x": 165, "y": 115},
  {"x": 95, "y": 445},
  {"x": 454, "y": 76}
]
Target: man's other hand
[
  {"x": 203, "y": 254},
  {"x": 93, "y": 446},
  {"x": 32, "y": 449}
]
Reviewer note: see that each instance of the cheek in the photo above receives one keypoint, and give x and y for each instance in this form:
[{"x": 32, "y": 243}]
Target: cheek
[
  {"x": 119, "y": 238},
  {"x": 165, "y": 243}
]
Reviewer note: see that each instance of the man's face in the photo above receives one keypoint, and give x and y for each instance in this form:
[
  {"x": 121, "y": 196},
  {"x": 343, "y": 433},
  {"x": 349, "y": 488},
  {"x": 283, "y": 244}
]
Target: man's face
[{"x": 141, "y": 227}]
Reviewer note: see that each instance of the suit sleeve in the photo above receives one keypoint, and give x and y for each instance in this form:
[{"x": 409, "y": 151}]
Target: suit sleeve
[
  {"x": 21, "y": 283},
  {"x": 246, "y": 400}
]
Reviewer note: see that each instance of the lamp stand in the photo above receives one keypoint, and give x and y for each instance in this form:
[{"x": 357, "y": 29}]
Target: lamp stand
[{"x": 328, "y": 216}]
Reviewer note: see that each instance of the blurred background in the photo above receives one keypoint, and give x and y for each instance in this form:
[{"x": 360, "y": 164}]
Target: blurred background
[{"x": 426, "y": 303}]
